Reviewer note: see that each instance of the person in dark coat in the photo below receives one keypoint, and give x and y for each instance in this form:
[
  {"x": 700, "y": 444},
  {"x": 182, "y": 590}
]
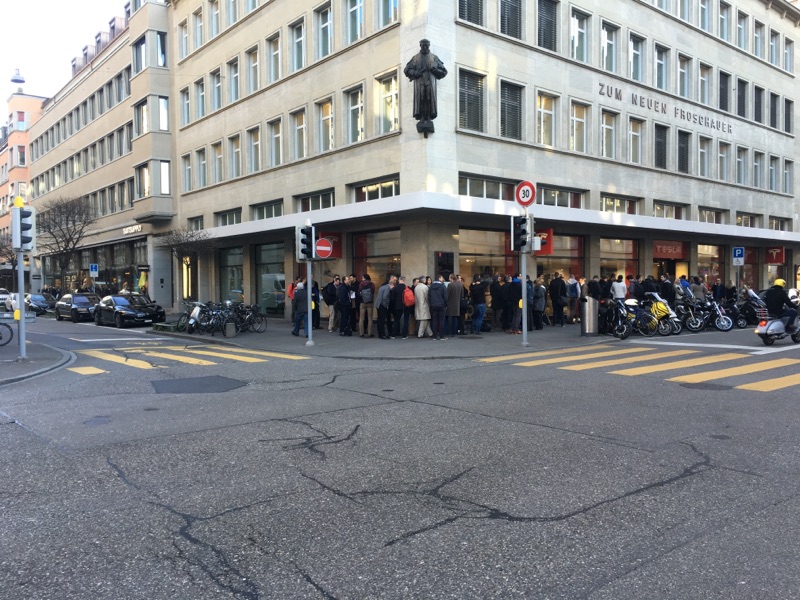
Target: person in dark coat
[
  {"x": 437, "y": 297},
  {"x": 300, "y": 308},
  {"x": 396, "y": 307},
  {"x": 343, "y": 299},
  {"x": 508, "y": 311},
  {"x": 558, "y": 291},
  {"x": 497, "y": 301}
]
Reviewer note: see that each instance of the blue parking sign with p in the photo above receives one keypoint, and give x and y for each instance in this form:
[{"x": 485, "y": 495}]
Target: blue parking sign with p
[{"x": 738, "y": 252}]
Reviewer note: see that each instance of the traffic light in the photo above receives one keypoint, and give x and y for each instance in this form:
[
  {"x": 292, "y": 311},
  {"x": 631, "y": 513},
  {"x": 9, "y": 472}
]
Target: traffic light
[
  {"x": 22, "y": 226},
  {"x": 520, "y": 227},
  {"x": 305, "y": 236}
]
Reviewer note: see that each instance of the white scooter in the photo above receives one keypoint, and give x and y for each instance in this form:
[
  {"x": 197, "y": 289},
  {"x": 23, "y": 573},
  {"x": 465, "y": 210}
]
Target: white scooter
[{"x": 769, "y": 329}]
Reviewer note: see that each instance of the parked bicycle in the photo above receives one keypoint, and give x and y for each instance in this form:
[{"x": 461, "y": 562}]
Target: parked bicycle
[{"x": 6, "y": 334}]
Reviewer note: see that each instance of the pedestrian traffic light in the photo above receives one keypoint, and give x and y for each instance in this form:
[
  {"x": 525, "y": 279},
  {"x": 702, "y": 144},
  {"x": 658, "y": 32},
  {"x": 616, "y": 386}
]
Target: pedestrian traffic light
[
  {"x": 520, "y": 227},
  {"x": 305, "y": 242},
  {"x": 22, "y": 226}
]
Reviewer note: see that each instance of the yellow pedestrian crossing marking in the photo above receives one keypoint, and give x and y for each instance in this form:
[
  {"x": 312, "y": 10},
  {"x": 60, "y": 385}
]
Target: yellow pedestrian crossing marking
[
  {"x": 86, "y": 370},
  {"x": 228, "y": 355},
  {"x": 559, "y": 359},
  {"x": 189, "y": 360},
  {"x": 495, "y": 359},
  {"x": 122, "y": 360},
  {"x": 680, "y": 364},
  {"x": 770, "y": 385},
  {"x": 734, "y": 371},
  {"x": 627, "y": 360}
]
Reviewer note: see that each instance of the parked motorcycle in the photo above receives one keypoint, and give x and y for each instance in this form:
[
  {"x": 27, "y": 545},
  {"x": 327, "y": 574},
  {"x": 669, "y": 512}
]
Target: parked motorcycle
[
  {"x": 668, "y": 321},
  {"x": 750, "y": 308}
]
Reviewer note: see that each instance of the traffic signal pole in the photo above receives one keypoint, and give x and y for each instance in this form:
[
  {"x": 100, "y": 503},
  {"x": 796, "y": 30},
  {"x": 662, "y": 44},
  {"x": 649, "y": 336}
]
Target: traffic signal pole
[
  {"x": 524, "y": 276},
  {"x": 21, "y": 305}
]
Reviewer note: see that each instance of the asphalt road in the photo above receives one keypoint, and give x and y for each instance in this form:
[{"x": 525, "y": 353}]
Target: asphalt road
[{"x": 453, "y": 478}]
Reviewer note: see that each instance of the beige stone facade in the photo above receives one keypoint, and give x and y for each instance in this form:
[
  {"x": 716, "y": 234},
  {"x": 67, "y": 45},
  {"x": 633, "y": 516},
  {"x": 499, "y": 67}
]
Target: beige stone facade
[{"x": 660, "y": 136}]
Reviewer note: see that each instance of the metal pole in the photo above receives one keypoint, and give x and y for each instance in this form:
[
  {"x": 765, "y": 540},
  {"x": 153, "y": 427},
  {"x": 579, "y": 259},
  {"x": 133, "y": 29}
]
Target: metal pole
[
  {"x": 310, "y": 341},
  {"x": 21, "y": 304},
  {"x": 524, "y": 276}
]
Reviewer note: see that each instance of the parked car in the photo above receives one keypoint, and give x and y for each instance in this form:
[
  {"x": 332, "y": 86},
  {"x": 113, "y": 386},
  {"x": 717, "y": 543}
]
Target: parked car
[
  {"x": 76, "y": 306},
  {"x": 4, "y": 295},
  {"x": 40, "y": 303},
  {"x": 128, "y": 309}
]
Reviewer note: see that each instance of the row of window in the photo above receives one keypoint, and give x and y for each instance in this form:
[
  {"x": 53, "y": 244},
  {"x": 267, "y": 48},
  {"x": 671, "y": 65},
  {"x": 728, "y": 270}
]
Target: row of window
[
  {"x": 108, "y": 148},
  {"x": 205, "y": 22},
  {"x": 113, "y": 92},
  {"x": 764, "y": 43},
  {"x": 242, "y": 154},
  {"x": 476, "y": 186},
  {"x": 361, "y": 192},
  {"x": 114, "y": 198}
]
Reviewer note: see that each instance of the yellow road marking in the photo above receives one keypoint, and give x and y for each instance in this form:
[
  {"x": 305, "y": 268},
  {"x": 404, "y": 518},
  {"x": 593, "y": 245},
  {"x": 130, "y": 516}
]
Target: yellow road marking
[
  {"x": 680, "y": 364},
  {"x": 559, "y": 359},
  {"x": 495, "y": 359},
  {"x": 86, "y": 370},
  {"x": 248, "y": 359},
  {"x": 770, "y": 385},
  {"x": 128, "y": 362},
  {"x": 226, "y": 349},
  {"x": 627, "y": 360},
  {"x": 734, "y": 371},
  {"x": 189, "y": 360}
]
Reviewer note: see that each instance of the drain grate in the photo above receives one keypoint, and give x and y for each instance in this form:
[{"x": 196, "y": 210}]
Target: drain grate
[{"x": 197, "y": 385}]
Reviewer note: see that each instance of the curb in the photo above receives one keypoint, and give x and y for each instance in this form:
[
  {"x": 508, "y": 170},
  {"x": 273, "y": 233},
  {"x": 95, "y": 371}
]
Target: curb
[{"x": 66, "y": 359}]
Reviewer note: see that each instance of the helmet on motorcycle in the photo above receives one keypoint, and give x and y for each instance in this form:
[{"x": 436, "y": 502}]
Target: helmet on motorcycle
[{"x": 780, "y": 283}]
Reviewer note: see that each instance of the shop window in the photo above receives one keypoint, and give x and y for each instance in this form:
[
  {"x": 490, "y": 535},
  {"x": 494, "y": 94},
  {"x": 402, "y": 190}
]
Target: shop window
[
  {"x": 486, "y": 188},
  {"x": 619, "y": 257},
  {"x": 376, "y": 190},
  {"x": 270, "y": 277},
  {"x": 377, "y": 254},
  {"x": 484, "y": 253},
  {"x": 231, "y": 273}
]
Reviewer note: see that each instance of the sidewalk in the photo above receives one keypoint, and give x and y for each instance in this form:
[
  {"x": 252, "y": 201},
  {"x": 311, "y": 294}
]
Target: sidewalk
[{"x": 42, "y": 358}]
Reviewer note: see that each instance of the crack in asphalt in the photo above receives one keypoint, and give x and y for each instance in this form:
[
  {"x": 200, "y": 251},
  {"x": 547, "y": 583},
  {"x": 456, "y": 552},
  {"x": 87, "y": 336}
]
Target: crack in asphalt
[{"x": 312, "y": 442}]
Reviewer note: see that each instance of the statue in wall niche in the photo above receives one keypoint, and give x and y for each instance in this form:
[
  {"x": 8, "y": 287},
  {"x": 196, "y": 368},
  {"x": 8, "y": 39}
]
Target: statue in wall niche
[{"x": 424, "y": 69}]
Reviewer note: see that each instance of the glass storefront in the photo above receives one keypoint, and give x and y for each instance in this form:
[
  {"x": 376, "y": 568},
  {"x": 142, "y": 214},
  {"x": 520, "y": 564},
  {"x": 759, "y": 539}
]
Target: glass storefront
[
  {"x": 270, "y": 278},
  {"x": 485, "y": 253},
  {"x": 231, "y": 261},
  {"x": 378, "y": 254},
  {"x": 619, "y": 257},
  {"x": 567, "y": 258},
  {"x": 709, "y": 263}
]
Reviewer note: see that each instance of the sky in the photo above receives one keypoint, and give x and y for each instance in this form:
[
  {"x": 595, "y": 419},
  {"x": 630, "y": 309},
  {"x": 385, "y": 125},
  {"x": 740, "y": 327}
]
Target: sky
[{"x": 41, "y": 37}]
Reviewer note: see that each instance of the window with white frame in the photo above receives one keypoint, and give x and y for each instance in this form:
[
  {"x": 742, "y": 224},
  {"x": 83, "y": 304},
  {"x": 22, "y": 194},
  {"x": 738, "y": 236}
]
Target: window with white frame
[
  {"x": 788, "y": 177},
  {"x": 545, "y": 119},
  {"x": 470, "y": 100},
  {"x": 703, "y": 15},
  {"x": 201, "y": 167},
  {"x": 684, "y": 76},
  {"x": 267, "y": 210},
  {"x": 195, "y": 223},
  {"x": 608, "y": 134},
  {"x": 709, "y": 215},
  {"x": 511, "y": 18},
  {"x": 274, "y": 48},
  {"x": 742, "y": 33},
  {"x": 774, "y": 46},
  {"x": 578, "y": 120},
  {"x": 216, "y": 90},
  {"x": 298, "y": 134},
  {"x": 788, "y": 55},
  {"x": 704, "y": 157},
  {"x": 186, "y": 173},
  {"x": 620, "y": 205},
  {"x": 355, "y": 115},
  {"x": 275, "y": 142},
  {"x": 185, "y": 114},
  {"x": 250, "y": 5},
  {"x": 772, "y": 175},
  {"x": 774, "y": 109},
  {"x": 355, "y": 20},
  {"x": 141, "y": 118},
  {"x": 663, "y": 5},
  {"x": 662, "y": 68},
  {"x": 471, "y": 10},
  {"x": 200, "y": 98},
  {"x": 742, "y": 162},
  {"x": 390, "y": 106},
  {"x": 253, "y": 74},
  {"x": 254, "y": 150},
  {"x": 298, "y": 45},
  {"x": 608, "y": 38},
  {"x": 324, "y": 19},
  {"x": 635, "y": 141},
  {"x": 183, "y": 40},
  {"x": 724, "y": 21},
  {"x": 665, "y": 210},
  {"x": 213, "y": 18},
  {"x": 163, "y": 120},
  {"x": 139, "y": 61},
  {"x": 376, "y": 190},
  {"x": 388, "y": 12},
  {"x": 741, "y": 97},
  {"x": 685, "y": 10},
  {"x": 197, "y": 26},
  {"x": 779, "y": 224},
  {"x": 315, "y": 201},
  {"x": 636, "y": 57},
  {"x": 142, "y": 177},
  {"x": 233, "y": 80},
  {"x": 758, "y": 169},
  {"x": 234, "y": 157},
  {"x": 723, "y": 161},
  {"x": 746, "y": 220},
  {"x": 758, "y": 39},
  {"x": 511, "y": 110},
  {"x": 564, "y": 198},
  {"x": 232, "y": 12},
  {"x": 326, "y": 132},
  {"x": 217, "y": 169},
  {"x": 758, "y": 104},
  {"x": 788, "y": 115},
  {"x": 229, "y": 217},
  {"x": 164, "y": 176},
  {"x": 579, "y": 32}
]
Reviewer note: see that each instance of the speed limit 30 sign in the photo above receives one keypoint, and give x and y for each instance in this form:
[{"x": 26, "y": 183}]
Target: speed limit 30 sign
[{"x": 525, "y": 193}]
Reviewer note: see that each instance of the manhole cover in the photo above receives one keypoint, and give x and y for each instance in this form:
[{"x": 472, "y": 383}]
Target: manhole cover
[
  {"x": 718, "y": 387},
  {"x": 95, "y": 421},
  {"x": 197, "y": 385}
]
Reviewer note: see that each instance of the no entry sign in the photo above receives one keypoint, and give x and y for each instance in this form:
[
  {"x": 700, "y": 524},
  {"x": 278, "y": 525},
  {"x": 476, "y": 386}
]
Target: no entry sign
[
  {"x": 525, "y": 193},
  {"x": 323, "y": 248}
]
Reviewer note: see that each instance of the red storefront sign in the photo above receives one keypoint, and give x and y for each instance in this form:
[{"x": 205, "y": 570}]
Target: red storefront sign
[
  {"x": 751, "y": 256},
  {"x": 546, "y": 236},
  {"x": 669, "y": 250},
  {"x": 335, "y": 238},
  {"x": 776, "y": 255}
]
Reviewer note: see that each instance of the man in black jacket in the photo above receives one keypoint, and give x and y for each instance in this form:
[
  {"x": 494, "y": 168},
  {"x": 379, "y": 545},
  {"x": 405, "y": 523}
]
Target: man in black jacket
[
  {"x": 558, "y": 292},
  {"x": 776, "y": 299},
  {"x": 343, "y": 300}
]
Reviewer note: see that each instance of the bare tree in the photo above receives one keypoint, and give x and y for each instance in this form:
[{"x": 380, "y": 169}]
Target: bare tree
[
  {"x": 62, "y": 224},
  {"x": 185, "y": 245},
  {"x": 8, "y": 256}
]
